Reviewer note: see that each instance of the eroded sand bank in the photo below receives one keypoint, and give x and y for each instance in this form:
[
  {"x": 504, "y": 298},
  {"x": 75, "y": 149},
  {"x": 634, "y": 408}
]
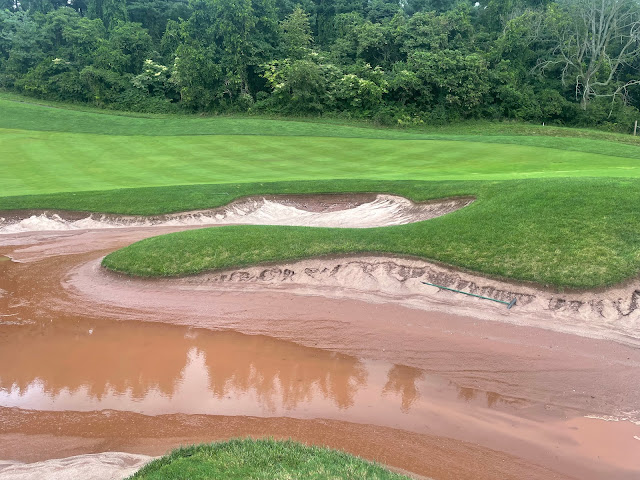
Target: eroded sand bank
[
  {"x": 611, "y": 313},
  {"x": 96, "y": 466},
  {"x": 352, "y": 211}
]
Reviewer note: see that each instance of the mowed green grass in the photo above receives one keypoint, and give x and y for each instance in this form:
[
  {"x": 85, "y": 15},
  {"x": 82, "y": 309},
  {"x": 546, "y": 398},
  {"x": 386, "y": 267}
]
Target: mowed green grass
[
  {"x": 558, "y": 211},
  {"x": 44, "y": 162},
  {"x": 24, "y": 113},
  {"x": 261, "y": 460},
  {"x": 57, "y": 150}
]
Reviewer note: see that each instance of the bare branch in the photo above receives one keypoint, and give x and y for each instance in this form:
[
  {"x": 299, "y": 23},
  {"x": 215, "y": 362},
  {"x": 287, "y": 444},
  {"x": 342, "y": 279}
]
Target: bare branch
[{"x": 593, "y": 41}]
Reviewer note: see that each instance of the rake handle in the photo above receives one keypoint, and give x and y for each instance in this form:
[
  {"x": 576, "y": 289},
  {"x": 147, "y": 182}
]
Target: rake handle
[{"x": 509, "y": 304}]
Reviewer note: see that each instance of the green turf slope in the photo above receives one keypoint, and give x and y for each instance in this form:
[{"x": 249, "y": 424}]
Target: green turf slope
[
  {"x": 46, "y": 150},
  {"x": 576, "y": 233},
  {"x": 44, "y": 162}
]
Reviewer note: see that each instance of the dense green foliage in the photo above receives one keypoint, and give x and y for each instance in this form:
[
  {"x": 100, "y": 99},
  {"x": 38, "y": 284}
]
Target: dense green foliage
[
  {"x": 412, "y": 62},
  {"x": 261, "y": 460}
]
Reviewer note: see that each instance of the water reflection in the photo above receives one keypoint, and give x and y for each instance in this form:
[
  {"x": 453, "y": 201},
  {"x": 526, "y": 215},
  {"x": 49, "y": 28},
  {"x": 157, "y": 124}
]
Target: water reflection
[
  {"x": 49, "y": 362},
  {"x": 493, "y": 399},
  {"x": 402, "y": 381},
  {"x": 154, "y": 367},
  {"x": 467, "y": 394},
  {"x": 86, "y": 365}
]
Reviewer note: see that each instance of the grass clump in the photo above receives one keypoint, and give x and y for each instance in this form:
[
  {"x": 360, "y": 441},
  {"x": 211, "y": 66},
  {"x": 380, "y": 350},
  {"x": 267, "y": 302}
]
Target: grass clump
[{"x": 261, "y": 460}]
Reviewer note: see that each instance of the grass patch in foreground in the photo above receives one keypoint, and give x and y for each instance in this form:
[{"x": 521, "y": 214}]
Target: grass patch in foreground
[
  {"x": 569, "y": 232},
  {"x": 261, "y": 460}
]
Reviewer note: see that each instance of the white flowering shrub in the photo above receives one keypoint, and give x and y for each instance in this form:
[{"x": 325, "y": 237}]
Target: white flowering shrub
[{"x": 154, "y": 77}]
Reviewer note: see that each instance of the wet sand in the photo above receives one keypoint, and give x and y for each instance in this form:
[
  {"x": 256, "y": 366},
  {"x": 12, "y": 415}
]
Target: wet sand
[
  {"x": 92, "y": 362},
  {"x": 99, "y": 466}
]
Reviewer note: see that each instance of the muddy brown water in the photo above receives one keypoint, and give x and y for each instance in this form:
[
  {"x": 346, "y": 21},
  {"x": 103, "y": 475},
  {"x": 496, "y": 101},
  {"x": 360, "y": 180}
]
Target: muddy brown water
[{"x": 430, "y": 393}]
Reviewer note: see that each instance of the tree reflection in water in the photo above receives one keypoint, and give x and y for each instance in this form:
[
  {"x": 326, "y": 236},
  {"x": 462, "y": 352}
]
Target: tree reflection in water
[
  {"x": 402, "y": 381},
  {"x": 138, "y": 360}
]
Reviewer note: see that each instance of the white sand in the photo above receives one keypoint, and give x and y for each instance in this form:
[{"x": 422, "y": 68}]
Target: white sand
[
  {"x": 97, "y": 466},
  {"x": 384, "y": 210}
]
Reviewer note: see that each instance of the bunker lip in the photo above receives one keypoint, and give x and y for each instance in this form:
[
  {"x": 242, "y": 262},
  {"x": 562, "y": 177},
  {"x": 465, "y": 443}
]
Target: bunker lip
[
  {"x": 322, "y": 210},
  {"x": 312, "y": 202},
  {"x": 611, "y": 313}
]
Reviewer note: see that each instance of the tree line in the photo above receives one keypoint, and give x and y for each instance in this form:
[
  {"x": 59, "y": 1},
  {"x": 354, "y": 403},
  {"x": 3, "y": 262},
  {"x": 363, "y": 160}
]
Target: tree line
[{"x": 399, "y": 62}]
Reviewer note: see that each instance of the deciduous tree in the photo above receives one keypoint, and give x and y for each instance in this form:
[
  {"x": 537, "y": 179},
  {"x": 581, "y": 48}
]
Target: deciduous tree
[{"x": 591, "y": 41}]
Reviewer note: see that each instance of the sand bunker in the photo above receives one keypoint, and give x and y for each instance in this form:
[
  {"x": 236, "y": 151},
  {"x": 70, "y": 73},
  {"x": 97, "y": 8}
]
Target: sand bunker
[
  {"x": 99, "y": 466},
  {"x": 610, "y": 314},
  {"x": 346, "y": 211},
  {"x": 58, "y": 283}
]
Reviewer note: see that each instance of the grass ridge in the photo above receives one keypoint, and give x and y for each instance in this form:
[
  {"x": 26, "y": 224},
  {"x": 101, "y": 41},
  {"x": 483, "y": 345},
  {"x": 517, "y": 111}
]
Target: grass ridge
[
  {"x": 568, "y": 233},
  {"x": 265, "y": 459}
]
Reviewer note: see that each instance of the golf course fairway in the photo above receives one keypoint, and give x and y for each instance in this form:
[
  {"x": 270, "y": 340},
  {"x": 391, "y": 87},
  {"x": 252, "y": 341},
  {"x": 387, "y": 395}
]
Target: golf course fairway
[{"x": 559, "y": 211}]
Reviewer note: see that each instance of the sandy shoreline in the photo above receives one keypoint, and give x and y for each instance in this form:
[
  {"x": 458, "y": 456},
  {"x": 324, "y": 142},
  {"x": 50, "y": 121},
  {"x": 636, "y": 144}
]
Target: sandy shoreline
[
  {"x": 375, "y": 324},
  {"x": 611, "y": 314},
  {"x": 447, "y": 459}
]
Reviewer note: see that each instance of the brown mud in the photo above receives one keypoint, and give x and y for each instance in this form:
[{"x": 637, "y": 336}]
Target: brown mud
[
  {"x": 425, "y": 455},
  {"x": 418, "y": 379},
  {"x": 613, "y": 313}
]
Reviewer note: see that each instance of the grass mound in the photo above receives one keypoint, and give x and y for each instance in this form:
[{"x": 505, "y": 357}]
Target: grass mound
[
  {"x": 576, "y": 233},
  {"x": 261, "y": 459}
]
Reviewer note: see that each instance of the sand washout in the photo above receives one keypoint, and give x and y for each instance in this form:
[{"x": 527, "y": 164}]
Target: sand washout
[
  {"x": 609, "y": 314},
  {"x": 348, "y": 211},
  {"x": 561, "y": 377},
  {"x": 97, "y": 466}
]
